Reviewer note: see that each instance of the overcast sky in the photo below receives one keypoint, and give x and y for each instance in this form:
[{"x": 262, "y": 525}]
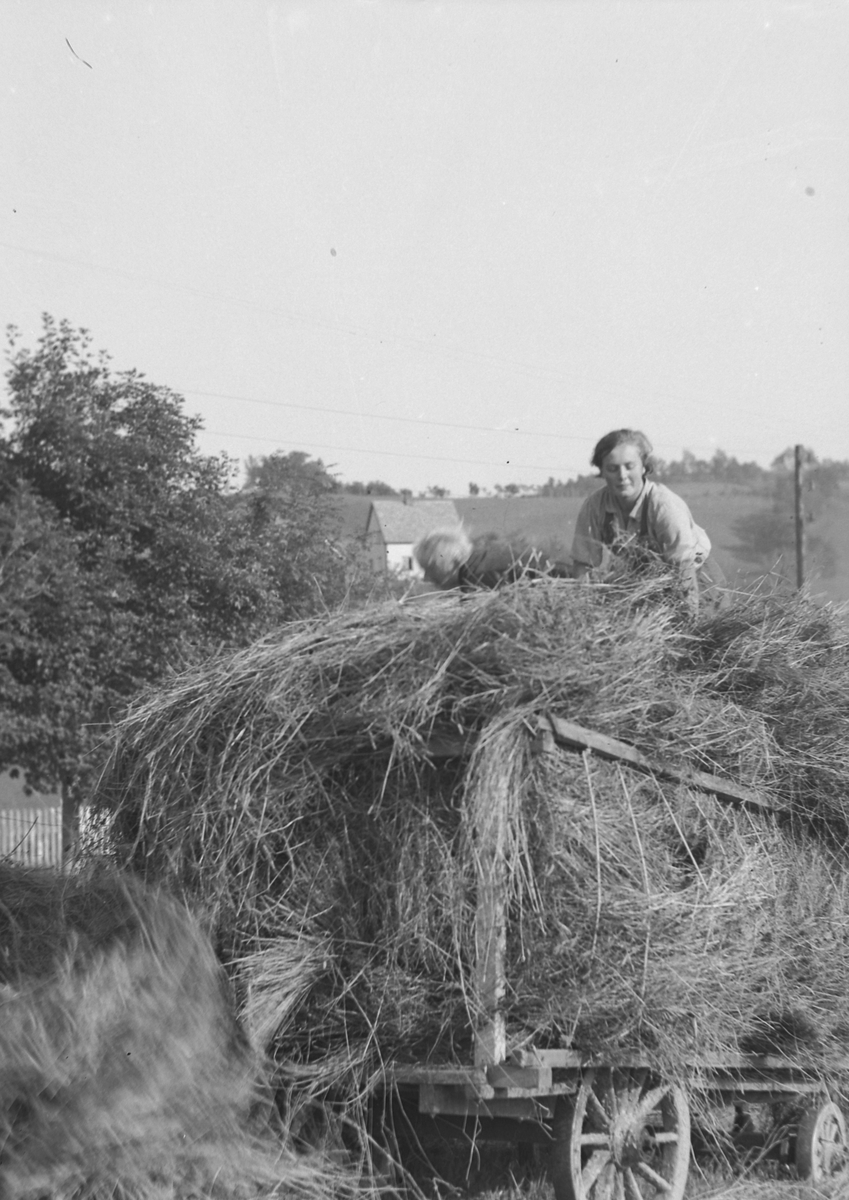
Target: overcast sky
[{"x": 432, "y": 243}]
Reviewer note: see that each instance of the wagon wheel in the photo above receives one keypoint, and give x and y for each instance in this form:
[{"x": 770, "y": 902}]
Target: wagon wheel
[
  {"x": 624, "y": 1136},
  {"x": 821, "y": 1143}
]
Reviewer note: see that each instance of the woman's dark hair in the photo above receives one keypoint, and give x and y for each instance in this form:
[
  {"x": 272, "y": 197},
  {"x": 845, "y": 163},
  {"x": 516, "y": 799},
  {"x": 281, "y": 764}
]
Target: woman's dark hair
[{"x": 622, "y": 437}]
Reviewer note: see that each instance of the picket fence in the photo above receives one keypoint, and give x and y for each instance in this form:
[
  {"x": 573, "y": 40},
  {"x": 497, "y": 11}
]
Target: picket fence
[{"x": 32, "y": 836}]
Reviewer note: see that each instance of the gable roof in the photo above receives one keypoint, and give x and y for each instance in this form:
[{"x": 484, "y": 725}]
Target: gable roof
[
  {"x": 352, "y": 514},
  {"x": 399, "y": 522}
]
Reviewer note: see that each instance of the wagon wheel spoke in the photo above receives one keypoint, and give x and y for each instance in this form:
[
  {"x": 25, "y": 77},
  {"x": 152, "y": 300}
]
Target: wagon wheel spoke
[
  {"x": 606, "y": 1184},
  {"x": 638, "y": 1077},
  {"x": 651, "y": 1100},
  {"x": 652, "y": 1176},
  {"x": 632, "y": 1188},
  {"x": 665, "y": 1137},
  {"x": 601, "y": 1139},
  {"x": 618, "y": 1090},
  {"x": 610, "y": 1095},
  {"x": 598, "y": 1108},
  {"x": 594, "y": 1167}
]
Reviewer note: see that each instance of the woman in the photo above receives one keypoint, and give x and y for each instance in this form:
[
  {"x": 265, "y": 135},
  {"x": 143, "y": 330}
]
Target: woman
[{"x": 632, "y": 510}]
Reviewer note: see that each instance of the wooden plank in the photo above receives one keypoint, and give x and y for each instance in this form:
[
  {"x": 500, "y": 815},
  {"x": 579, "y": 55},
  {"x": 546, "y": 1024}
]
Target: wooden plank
[
  {"x": 761, "y": 1062},
  {"x": 756, "y": 1092},
  {"x": 547, "y": 1058},
  {"x": 752, "y": 1063},
  {"x": 490, "y": 933},
  {"x": 508, "y": 1075},
  {"x": 576, "y": 737},
  {"x": 464, "y": 1076},
  {"x": 491, "y": 946},
  {"x": 553, "y": 1089}
]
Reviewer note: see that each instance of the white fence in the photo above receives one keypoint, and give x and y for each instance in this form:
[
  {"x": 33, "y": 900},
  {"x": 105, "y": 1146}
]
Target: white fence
[{"x": 32, "y": 836}]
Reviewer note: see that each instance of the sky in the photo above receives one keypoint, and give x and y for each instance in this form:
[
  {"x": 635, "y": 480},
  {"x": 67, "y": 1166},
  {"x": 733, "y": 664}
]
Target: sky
[{"x": 442, "y": 243}]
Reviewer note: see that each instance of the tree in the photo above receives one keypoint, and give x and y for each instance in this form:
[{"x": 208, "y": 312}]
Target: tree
[
  {"x": 280, "y": 471},
  {"x": 124, "y": 553},
  {"x": 41, "y": 606},
  {"x": 293, "y": 520},
  {"x": 721, "y": 468},
  {"x": 375, "y": 487}
]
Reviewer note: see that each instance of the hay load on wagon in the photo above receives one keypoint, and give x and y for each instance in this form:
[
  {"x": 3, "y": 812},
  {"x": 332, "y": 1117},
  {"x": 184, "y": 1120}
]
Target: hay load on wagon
[{"x": 324, "y": 797}]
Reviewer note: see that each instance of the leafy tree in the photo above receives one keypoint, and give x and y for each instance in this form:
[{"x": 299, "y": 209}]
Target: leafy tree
[
  {"x": 41, "y": 618},
  {"x": 281, "y": 471},
  {"x": 123, "y": 551},
  {"x": 293, "y": 520},
  {"x": 721, "y": 468},
  {"x": 581, "y": 486},
  {"x": 375, "y": 487}
]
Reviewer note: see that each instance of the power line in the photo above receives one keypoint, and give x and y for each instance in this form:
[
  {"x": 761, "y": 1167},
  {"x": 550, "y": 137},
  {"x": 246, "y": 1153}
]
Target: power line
[
  {"x": 335, "y": 326},
  {"x": 344, "y": 412},
  {"x": 472, "y": 462},
  {"x": 419, "y": 421},
  {"x": 431, "y": 345}
]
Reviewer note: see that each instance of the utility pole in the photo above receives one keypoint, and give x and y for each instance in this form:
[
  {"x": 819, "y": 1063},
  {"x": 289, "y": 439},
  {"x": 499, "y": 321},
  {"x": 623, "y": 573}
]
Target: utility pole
[{"x": 799, "y": 517}]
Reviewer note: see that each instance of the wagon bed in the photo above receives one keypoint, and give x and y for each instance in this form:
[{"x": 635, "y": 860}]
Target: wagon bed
[{"x": 624, "y": 1129}]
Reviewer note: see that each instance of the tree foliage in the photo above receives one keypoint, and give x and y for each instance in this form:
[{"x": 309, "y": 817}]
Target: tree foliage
[
  {"x": 285, "y": 472},
  {"x": 124, "y": 551},
  {"x": 374, "y": 487}
]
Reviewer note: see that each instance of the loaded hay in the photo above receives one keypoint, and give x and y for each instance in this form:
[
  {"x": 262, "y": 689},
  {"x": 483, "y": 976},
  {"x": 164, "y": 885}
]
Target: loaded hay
[
  {"x": 123, "y": 1070},
  {"x": 322, "y": 796}
]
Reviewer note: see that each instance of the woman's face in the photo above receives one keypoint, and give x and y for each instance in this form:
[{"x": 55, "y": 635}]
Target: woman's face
[{"x": 623, "y": 472}]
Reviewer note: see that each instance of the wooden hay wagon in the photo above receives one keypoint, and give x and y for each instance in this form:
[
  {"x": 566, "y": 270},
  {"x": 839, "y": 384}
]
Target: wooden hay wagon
[{"x": 617, "y": 1130}]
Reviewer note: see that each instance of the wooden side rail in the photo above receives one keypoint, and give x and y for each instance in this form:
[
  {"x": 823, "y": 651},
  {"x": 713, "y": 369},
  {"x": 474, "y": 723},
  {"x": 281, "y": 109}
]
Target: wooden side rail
[{"x": 576, "y": 737}]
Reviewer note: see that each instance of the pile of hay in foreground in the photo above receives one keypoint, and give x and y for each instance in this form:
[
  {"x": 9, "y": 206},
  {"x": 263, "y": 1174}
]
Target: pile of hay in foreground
[
  {"x": 123, "y": 1071},
  {"x": 293, "y": 790}
]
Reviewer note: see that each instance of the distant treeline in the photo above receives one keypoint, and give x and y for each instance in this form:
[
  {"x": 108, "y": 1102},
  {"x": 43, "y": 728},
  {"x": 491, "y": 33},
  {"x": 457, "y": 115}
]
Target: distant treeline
[{"x": 825, "y": 477}]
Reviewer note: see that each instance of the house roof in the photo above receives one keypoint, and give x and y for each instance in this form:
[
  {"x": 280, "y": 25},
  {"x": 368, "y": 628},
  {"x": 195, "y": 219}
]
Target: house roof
[
  {"x": 404, "y": 523},
  {"x": 352, "y": 513}
]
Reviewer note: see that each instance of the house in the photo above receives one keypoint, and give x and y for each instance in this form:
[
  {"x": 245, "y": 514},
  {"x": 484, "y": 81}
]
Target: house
[{"x": 394, "y": 527}]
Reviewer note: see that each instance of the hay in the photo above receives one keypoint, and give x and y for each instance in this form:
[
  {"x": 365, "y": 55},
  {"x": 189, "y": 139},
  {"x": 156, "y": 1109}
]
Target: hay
[
  {"x": 291, "y": 791},
  {"x": 124, "y": 1071}
]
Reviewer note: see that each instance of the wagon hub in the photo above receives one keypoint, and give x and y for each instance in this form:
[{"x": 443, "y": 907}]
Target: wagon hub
[
  {"x": 633, "y": 1141},
  {"x": 637, "y": 1145}
]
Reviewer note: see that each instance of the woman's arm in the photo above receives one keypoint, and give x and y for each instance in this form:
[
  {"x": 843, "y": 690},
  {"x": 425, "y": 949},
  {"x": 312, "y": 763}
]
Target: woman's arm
[{"x": 678, "y": 539}]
